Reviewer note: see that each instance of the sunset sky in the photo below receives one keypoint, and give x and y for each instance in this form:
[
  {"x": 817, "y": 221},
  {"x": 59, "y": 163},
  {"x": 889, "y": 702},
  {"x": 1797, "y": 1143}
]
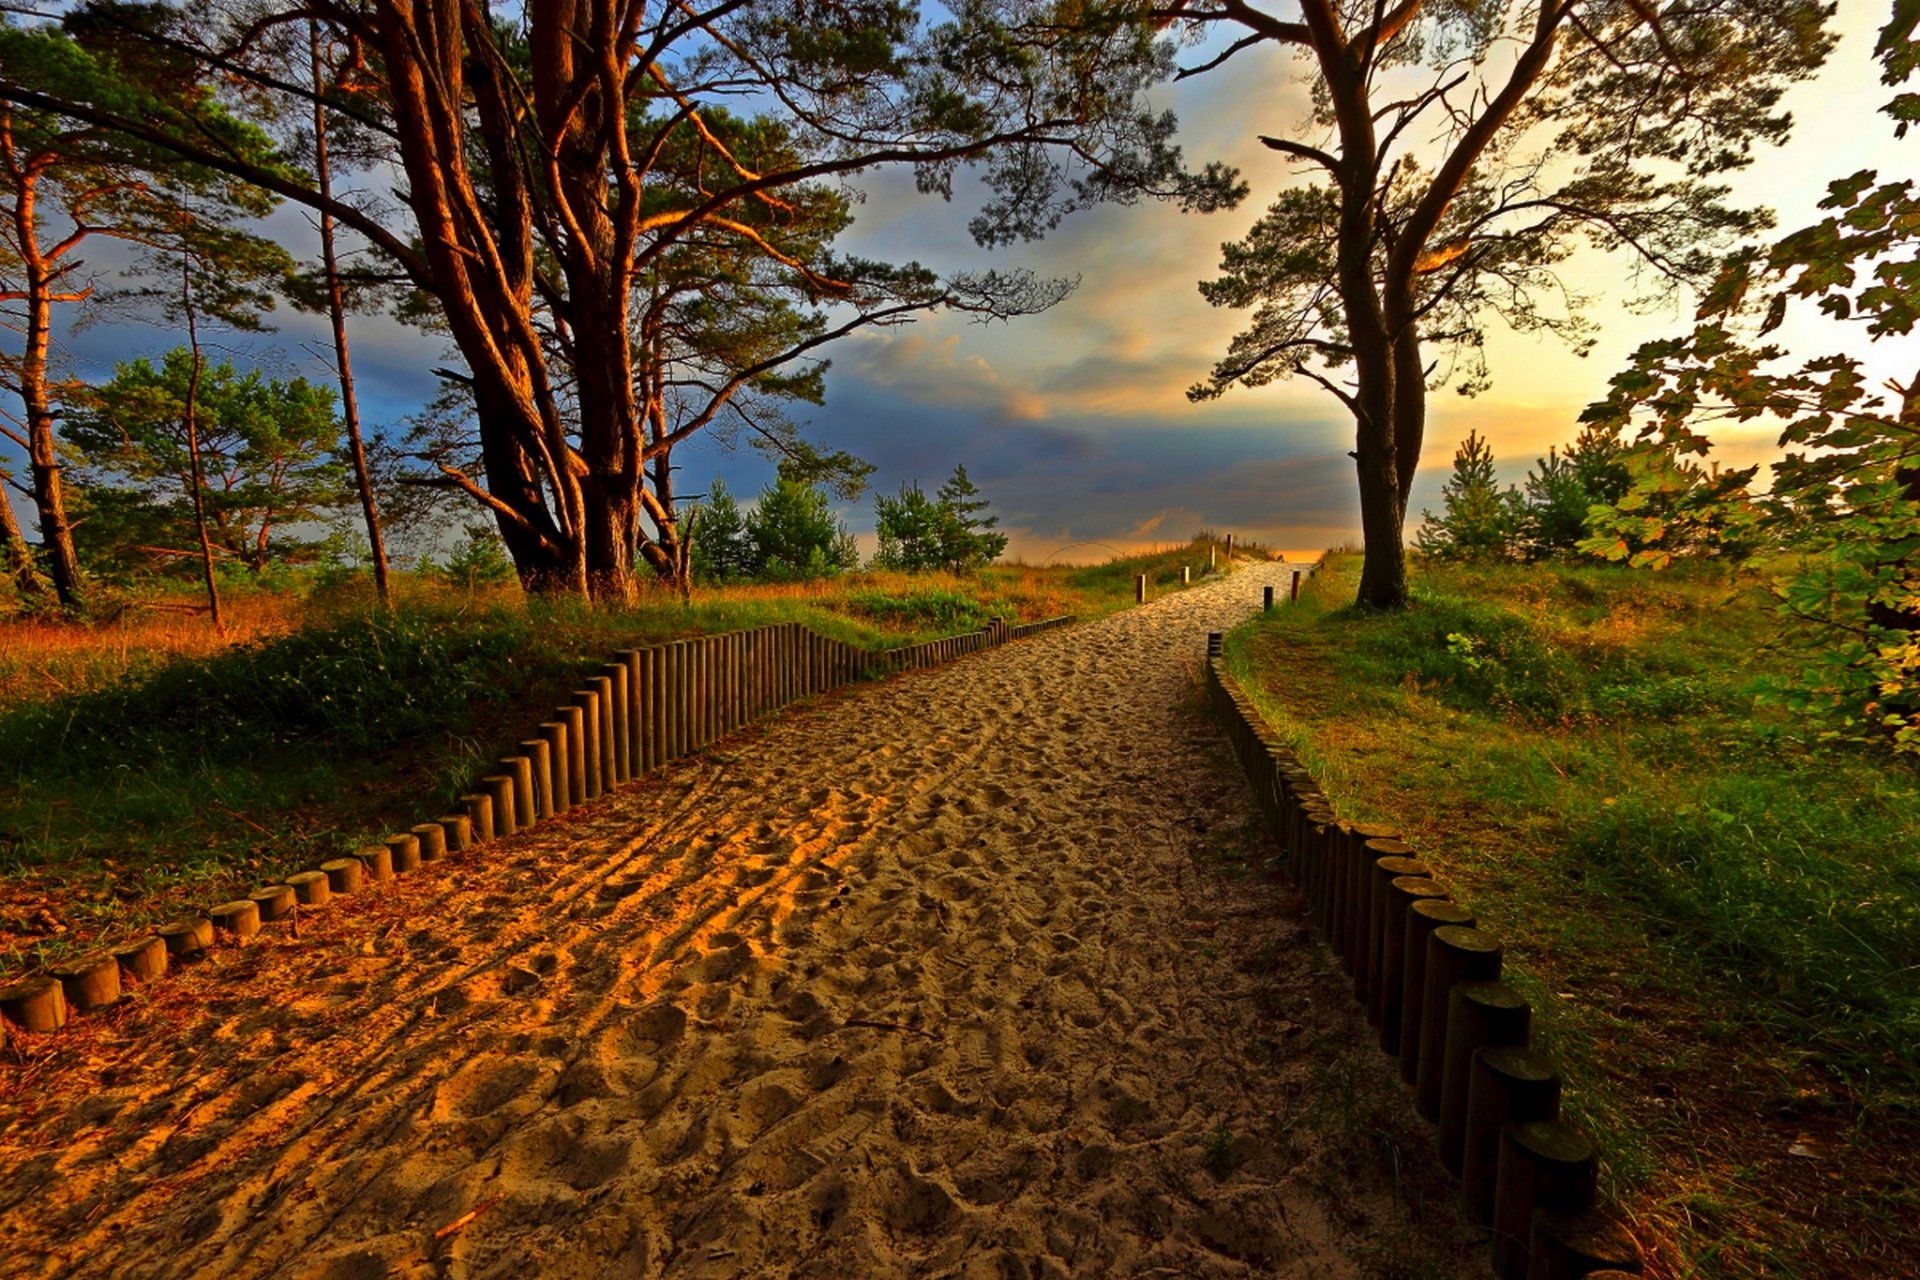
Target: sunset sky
[{"x": 1075, "y": 423}]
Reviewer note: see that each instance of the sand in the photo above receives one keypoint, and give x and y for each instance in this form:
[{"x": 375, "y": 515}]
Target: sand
[{"x": 953, "y": 975}]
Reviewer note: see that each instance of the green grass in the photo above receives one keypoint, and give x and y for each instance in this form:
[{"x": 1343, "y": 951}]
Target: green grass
[{"x": 1689, "y": 884}]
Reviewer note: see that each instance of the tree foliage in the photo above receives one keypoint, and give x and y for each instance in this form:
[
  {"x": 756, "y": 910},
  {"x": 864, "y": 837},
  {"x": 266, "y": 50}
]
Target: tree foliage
[
  {"x": 795, "y": 534},
  {"x": 948, "y": 531},
  {"x": 620, "y": 253},
  {"x": 1478, "y": 519},
  {"x": 1458, "y": 154},
  {"x": 266, "y": 448},
  {"x": 1846, "y": 497}
]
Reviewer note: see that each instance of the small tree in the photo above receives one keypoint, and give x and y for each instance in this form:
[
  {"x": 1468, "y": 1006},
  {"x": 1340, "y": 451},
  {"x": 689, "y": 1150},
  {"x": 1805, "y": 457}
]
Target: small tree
[
  {"x": 721, "y": 549},
  {"x": 1564, "y": 487},
  {"x": 913, "y": 530},
  {"x": 970, "y": 542},
  {"x": 794, "y": 532},
  {"x": 265, "y": 450},
  {"x": 1480, "y": 520}
]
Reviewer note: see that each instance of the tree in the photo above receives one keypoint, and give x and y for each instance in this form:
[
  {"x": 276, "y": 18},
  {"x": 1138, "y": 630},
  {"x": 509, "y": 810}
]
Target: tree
[
  {"x": 1459, "y": 153},
  {"x": 98, "y": 182},
  {"x": 535, "y": 161},
  {"x": 913, "y": 531},
  {"x": 1564, "y": 487},
  {"x": 969, "y": 541},
  {"x": 1479, "y": 520},
  {"x": 1675, "y": 508},
  {"x": 794, "y": 532},
  {"x": 1847, "y": 495},
  {"x": 265, "y": 448},
  {"x": 722, "y": 550}
]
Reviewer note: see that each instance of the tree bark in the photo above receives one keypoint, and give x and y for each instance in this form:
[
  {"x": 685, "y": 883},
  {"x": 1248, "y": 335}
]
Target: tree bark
[
  {"x": 43, "y": 458},
  {"x": 193, "y": 450},
  {"x": 336, "y": 310},
  {"x": 19, "y": 556}
]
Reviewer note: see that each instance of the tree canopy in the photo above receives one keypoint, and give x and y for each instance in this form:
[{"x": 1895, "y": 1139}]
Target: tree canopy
[{"x": 1456, "y": 155}]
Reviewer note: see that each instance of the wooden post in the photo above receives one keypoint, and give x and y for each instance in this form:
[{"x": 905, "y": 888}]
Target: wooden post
[
  {"x": 620, "y": 721},
  {"x": 1508, "y": 1084},
  {"x": 1567, "y": 1246},
  {"x": 479, "y": 807},
  {"x": 525, "y": 805},
  {"x": 275, "y": 901},
  {"x": 376, "y": 859},
  {"x": 587, "y": 702},
  {"x": 144, "y": 957},
  {"x": 239, "y": 920},
  {"x": 459, "y": 832},
  {"x": 188, "y": 938},
  {"x": 344, "y": 875},
  {"x": 1423, "y": 917},
  {"x": 636, "y": 726},
  {"x": 1543, "y": 1165},
  {"x": 646, "y": 744},
  {"x": 1266, "y": 600},
  {"x": 1454, "y": 955},
  {"x": 1402, "y": 893},
  {"x": 88, "y": 982},
  {"x": 403, "y": 847},
  {"x": 1139, "y": 588},
  {"x": 310, "y": 888},
  {"x": 37, "y": 1004},
  {"x": 553, "y": 737},
  {"x": 602, "y": 687},
  {"x": 1387, "y": 868},
  {"x": 1357, "y": 905},
  {"x": 499, "y": 789},
  {"x": 575, "y": 721},
  {"x": 1229, "y": 546},
  {"x": 662, "y": 699},
  {"x": 1213, "y": 561},
  {"x": 433, "y": 840},
  {"x": 1186, "y": 575},
  {"x": 1296, "y": 586},
  {"x": 1479, "y": 1014}
]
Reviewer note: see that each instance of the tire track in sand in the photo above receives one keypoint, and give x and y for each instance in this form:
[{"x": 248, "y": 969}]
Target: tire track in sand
[{"x": 937, "y": 979}]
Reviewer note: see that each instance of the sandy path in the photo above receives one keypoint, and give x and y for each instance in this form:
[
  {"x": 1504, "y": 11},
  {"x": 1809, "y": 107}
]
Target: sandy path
[{"x": 942, "y": 978}]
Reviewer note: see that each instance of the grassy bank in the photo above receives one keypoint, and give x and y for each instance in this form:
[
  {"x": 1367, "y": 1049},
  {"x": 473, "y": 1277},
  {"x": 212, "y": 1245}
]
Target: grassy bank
[
  {"x": 1717, "y": 917},
  {"x": 146, "y": 764}
]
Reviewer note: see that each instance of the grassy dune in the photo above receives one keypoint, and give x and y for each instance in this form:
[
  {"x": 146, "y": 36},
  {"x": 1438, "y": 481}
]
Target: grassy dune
[{"x": 1716, "y": 916}]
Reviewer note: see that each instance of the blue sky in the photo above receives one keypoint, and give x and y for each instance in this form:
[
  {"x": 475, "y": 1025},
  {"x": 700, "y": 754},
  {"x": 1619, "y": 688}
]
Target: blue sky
[{"x": 1075, "y": 423}]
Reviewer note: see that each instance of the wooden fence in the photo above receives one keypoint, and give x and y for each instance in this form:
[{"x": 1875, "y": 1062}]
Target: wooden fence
[
  {"x": 1429, "y": 981},
  {"x": 639, "y": 711}
]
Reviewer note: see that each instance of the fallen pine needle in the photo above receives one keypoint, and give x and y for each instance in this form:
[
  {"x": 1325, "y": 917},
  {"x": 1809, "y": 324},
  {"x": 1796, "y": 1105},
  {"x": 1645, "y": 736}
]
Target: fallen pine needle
[{"x": 467, "y": 1217}]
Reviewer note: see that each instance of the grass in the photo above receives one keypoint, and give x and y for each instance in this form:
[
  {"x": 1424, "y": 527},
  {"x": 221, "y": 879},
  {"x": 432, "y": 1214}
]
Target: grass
[
  {"x": 1716, "y": 916},
  {"x": 147, "y": 763}
]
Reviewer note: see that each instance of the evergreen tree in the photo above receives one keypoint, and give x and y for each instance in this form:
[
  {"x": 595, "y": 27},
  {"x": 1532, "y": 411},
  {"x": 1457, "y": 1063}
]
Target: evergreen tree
[
  {"x": 914, "y": 531},
  {"x": 1564, "y": 487},
  {"x": 969, "y": 541},
  {"x": 1480, "y": 519},
  {"x": 265, "y": 450},
  {"x": 721, "y": 549},
  {"x": 794, "y": 533}
]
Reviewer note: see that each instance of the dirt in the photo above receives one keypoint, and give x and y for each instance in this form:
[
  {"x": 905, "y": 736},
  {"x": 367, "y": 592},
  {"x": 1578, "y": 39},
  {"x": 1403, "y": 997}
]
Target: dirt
[{"x": 970, "y": 973}]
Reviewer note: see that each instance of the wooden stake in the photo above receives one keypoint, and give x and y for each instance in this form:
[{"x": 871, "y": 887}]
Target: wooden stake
[
  {"x": 1454, "y": 955},
  {"x": 90, "y": 982},
  {"x": 1507, "y": 1085},
  {"x": 144, "y": 958},
  {"x": 1479, "y": 1014},
  {"x": 1543, "y": 1165},
  {"x": 1422, "y": 919}
]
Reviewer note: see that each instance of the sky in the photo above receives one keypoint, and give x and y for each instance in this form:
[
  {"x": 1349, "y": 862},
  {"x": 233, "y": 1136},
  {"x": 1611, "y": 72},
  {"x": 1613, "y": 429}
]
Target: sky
[{"x": 1074, "y": 423}]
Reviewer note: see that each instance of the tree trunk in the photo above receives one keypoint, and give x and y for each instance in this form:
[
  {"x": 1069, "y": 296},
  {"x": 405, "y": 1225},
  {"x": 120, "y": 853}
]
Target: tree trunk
[
  {"x": 19, "y": 556},
  {"x": 49, "y": 498},
  {"x": 193, "y": 450},
  {"x": 336, "y": 310}
]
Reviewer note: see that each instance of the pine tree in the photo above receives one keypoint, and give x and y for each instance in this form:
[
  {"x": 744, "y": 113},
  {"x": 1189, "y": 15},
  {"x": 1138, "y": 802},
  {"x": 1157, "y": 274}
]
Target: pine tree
[
  {"x": 794, "y": 533},
  {"x": 721, "y": 548},
  {"x": 914, "y": 531},
  {"x": 1480, "y": 519},
  {"x": 969, "y": 541}
]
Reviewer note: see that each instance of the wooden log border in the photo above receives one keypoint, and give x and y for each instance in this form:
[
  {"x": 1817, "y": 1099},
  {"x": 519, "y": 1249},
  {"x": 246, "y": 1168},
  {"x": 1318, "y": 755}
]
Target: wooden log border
[
  {"x": 632, "y": 715},
  {"x": 1461, "y": 1036}
]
